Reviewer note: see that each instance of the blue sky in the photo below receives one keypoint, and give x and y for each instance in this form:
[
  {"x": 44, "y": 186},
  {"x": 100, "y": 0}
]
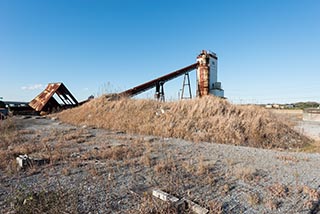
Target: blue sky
[{"x": 268, "y": 50}]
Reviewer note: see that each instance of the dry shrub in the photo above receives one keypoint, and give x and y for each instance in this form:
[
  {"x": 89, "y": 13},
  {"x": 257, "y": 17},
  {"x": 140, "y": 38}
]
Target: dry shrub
[
  {"x": 202, "y": 167},
  {"x": 28, "y": 147},
  {"x": 189, "y": 166},
  {"x": 165, "y": 166},
  {"x": 254, "y": 199},
  {"x": 76, "y": 136},
  {"x": 287, "y": 158},
  {"x": 56, "y": 146},
  {"x": 313, "y": 194},
  {"x": 206, "y": 119},
  {"x": 279, "y": 190},
  {"x": 117, "y": 153},
  {"x": 215, "y": 207},
  {"x": 314, "y": 147},
  {"x": 26, "y": 131},
  {"x": 9, "y": 134},
  {"x": 13, "y": 143},
  {"x": 225, "y": 189},
  {"x": 272, "y": 204},
  {"x": 44, "y": 202},
  {"x": 149, "y": 204},
  {"x": 146, "y": 160},
  {"x": 66, "y": 171},
  {"x": 246, "y": 174}
]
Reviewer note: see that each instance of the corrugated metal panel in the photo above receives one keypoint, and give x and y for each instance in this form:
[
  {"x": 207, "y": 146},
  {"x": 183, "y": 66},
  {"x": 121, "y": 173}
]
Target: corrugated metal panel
[{"x": 46, "y": 99}]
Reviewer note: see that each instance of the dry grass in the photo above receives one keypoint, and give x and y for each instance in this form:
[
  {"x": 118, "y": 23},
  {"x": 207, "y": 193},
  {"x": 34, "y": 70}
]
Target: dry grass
[
  {"x": 10, "y": 144},
  {"x": 279, "y": 190},
  {"x": 52, "y": 202},
  {"x": 272, "y": 204},
  {"x": 246, "y": 174},
  {"x": 152, "y": 205},
  {"x": 312, "y": 148},
  {"x": 215, "y": 207},
  {"x": 207, "y": 119},
  {"x": 287, "y": 158},
  {"x": 291, "y": 116},
  {"x": 9, "y": 134},
  {"x": 165, "y": 166},
  {"x": 313, "y": 194},
  {"x": 254, "y": 199},
  {"x": 147, "y": 163},
  {"x": 56, "y": 146}
]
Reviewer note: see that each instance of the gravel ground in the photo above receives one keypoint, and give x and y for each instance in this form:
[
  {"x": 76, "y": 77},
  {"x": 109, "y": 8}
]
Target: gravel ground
[{"x": 222, "y": 178}]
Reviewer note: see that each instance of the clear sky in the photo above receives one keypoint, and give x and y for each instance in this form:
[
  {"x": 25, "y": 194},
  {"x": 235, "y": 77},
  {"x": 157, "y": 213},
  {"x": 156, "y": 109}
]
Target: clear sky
[{"x": 268, "y": 50}]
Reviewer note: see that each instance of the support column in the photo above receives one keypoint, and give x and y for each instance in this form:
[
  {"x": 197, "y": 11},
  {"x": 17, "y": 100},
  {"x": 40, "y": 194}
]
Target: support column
[{"x": 186, "y": 79}]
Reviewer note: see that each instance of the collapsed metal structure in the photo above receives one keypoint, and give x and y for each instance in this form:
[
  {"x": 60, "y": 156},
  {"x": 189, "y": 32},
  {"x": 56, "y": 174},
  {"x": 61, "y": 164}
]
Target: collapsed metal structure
[
  {"x": 207, "y": 83},
  {"x": 46, "y": 102}
]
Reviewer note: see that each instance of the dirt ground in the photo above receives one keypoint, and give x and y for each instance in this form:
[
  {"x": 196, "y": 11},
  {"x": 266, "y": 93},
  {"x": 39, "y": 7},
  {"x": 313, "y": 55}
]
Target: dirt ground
[
  {"x": 308, "y": 128},
  {"x": 97, "y": 171}
]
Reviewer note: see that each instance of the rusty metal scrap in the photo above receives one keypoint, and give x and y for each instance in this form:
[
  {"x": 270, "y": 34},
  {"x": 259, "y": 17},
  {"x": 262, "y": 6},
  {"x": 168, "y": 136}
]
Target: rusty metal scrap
[{"x": 46, "y": 102}]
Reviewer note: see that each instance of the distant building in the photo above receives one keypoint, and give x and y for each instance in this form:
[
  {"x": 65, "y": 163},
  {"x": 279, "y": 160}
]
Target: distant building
[
  {"x": 276, "y": 106},
  {"x": 268, "y": 106},
  {"x": 289, "y": 106}
]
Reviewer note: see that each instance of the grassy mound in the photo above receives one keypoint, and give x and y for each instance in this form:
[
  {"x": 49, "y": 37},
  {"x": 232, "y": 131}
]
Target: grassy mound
[{"x": 207, "y": 119}]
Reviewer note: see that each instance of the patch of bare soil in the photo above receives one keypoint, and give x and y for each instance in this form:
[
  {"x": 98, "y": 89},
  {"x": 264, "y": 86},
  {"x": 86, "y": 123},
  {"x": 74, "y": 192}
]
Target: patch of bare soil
[
  {"x": 309, "y": 128},
  {"x": 100, "y": 171}
]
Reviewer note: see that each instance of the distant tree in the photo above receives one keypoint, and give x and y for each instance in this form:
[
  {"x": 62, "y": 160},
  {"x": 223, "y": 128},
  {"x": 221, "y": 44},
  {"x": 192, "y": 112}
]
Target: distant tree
[{"x": 303, "y": 105}]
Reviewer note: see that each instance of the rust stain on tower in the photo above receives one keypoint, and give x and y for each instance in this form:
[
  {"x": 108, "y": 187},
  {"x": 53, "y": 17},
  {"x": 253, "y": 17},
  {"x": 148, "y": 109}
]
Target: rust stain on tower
[
  {"x": 202, "y": 75},
  {"x": 45, "y": 101},
  {"x": 207, "y": 75}
]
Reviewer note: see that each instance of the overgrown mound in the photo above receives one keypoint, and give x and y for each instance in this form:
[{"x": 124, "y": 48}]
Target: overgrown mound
[{"x": 207, "y": 119}]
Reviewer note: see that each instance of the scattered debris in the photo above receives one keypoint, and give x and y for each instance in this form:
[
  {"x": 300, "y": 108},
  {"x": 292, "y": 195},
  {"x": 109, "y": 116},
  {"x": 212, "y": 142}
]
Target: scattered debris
[
  {"x": 24, "y": 161},
  {"x": 182, "y": 204},
  {"x": 164, "y": 196},
  {"x": 26, "y": 117},
  {"x": 84, "y": 126},
  {"x": 195, "y": 207},
  {"x": 75, "y": 155},
  {"x": 150, "y": 139},
  {"x": 120, "y": 132}
]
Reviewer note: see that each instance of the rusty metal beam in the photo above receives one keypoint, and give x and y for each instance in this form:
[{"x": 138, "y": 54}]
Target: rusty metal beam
[{"x": 153, "y": 83}]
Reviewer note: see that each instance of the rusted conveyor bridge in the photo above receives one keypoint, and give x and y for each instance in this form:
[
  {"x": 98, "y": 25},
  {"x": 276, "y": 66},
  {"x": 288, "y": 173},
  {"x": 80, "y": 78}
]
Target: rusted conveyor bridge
[
  {"x": 158, "y": 83},
  {"x": 207, "y": 80}
]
